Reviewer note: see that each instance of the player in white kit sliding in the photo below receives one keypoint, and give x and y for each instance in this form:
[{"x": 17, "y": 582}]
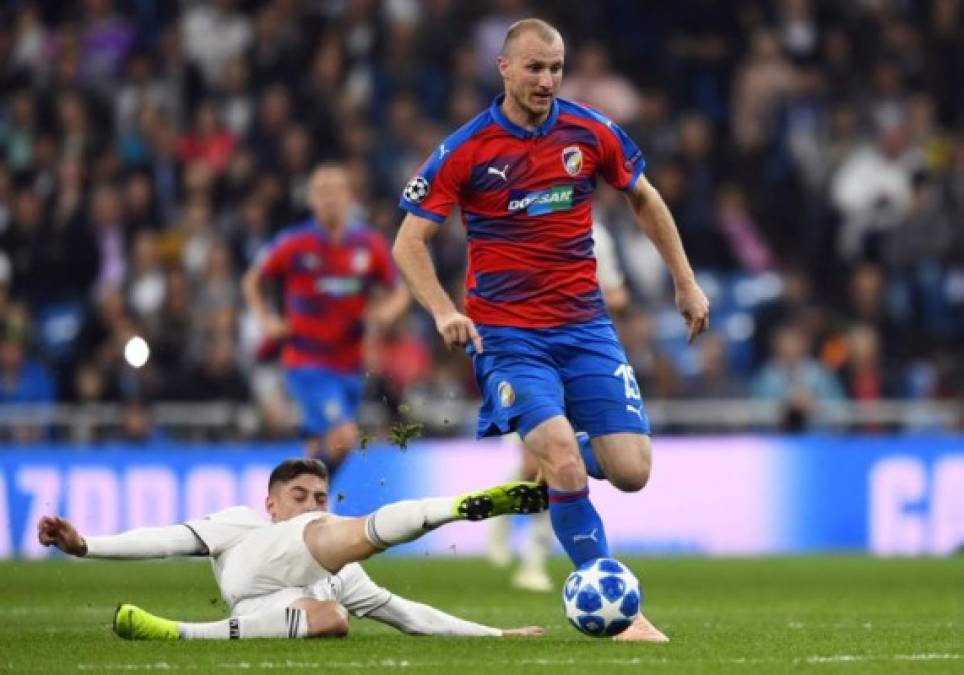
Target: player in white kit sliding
[{"x": 297, "y": 576}]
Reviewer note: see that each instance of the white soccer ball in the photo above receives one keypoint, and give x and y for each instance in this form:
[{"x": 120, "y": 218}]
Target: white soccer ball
[{"x": 602, "y": 597}]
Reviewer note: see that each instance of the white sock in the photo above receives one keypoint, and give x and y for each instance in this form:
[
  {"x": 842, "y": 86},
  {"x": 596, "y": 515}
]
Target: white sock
[
  {"x": 408, "y": 520},
  {"x": 269, "y": 623}
]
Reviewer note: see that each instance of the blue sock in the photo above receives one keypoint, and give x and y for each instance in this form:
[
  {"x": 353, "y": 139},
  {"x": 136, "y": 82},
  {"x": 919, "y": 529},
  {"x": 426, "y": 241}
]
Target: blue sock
[
  {"x": 577, "y": 525},
  {"x": 588, "y": 458}
]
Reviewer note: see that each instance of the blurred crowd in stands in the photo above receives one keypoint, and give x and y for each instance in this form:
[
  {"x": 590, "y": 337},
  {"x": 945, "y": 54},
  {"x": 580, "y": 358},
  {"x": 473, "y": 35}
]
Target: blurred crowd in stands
[{"x": 812, "y": 152}]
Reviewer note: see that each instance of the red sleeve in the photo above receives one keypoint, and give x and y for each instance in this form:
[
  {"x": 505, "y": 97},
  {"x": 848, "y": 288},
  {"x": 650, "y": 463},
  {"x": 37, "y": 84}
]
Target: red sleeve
[
  {"x": 621, "y": 162},
  {"x": 435, "y": 188},
  {"x": 276, "y": 260}
]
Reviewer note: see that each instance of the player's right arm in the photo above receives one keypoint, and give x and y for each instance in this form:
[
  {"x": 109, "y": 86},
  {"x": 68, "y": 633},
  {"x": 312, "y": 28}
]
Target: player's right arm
[
  {"x": 252, "y": 287},
  {"x": 414, "y": 261},
  {"x": 139, "y": 544}
]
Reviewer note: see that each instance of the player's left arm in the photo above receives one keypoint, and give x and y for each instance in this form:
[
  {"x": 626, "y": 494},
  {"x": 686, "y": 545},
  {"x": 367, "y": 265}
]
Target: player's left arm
[
  {"x": 657, "y": 222},
  {"x": 364, "y": 598},
  {"x": 416, "y": 618}
]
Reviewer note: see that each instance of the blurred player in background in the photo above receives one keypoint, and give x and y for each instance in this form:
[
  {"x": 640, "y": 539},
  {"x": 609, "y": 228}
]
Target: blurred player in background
[
  {"x": 337, "y": 275},
  {"x": 543, "y": 348},
  {"x": 533, "y": 574},
  {"x": 297, "y": 576}
]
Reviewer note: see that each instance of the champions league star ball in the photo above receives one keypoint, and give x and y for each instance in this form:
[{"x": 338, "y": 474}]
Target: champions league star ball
[
  {"x": 416, "y": 190},
  {"x": 602, "y": 597}
]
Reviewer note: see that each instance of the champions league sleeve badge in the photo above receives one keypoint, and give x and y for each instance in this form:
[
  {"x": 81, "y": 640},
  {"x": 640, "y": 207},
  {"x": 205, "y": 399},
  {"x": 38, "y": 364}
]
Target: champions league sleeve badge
[{"x": 416, "y": 190}]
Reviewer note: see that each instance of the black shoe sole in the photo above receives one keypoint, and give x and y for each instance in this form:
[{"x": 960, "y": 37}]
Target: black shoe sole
[
  {"x": 476, "y": 508},
  {"x": 531, "y": 499}
]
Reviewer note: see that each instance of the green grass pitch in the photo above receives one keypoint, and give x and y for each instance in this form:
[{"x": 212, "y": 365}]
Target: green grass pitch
[{"x": 819, "y": 614}]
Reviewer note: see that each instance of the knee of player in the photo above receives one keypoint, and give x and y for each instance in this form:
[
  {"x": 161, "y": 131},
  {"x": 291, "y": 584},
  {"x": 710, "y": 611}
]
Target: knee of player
[
  {"x": 327, "y": 619},
  {"x": 632, "y": 480},
  {"x": 633, "y": 475},
  {"x": 565, "y": 465},
  {"x": 340, "y": 622}
]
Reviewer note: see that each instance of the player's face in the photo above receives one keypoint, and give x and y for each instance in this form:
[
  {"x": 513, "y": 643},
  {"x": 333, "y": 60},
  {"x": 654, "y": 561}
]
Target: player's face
[
  {"x": 301, "y": 494},
  {"x": 532, "y": 72},
  {"x": 329, "y": 196}
]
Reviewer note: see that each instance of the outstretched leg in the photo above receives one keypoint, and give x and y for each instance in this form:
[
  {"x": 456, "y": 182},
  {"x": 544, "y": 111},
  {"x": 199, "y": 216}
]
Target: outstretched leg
[{"x": 335, "y": 542}]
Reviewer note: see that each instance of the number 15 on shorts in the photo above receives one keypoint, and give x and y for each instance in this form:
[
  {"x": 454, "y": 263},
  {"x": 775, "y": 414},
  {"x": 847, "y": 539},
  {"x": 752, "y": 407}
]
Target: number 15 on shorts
[{"x": 625, "y": 371}]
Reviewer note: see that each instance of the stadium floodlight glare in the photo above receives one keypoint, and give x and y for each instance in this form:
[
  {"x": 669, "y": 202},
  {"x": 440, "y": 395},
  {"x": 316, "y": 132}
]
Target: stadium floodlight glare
[{"x": 136, "y": 351}]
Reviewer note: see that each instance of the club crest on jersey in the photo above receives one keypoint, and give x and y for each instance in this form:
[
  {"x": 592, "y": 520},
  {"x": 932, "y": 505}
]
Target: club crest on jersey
[
  {"x": 506, "y": 394},
  {"x": 572, "y": 160}
]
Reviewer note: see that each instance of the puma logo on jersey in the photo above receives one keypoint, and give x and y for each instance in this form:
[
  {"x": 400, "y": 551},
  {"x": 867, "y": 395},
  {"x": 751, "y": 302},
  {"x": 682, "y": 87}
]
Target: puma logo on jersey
[
  {"x": 576, "y": 538},
  {"x": 501, "y": 174}
]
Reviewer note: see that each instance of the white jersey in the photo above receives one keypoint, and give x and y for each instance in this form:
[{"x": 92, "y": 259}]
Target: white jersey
[{"x": 257, "y": 562}]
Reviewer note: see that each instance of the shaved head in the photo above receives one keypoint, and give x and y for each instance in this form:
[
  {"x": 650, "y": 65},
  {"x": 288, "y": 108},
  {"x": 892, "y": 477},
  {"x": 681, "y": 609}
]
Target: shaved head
[
  {"x": 531, "y": 68},
  {"x": 541, "y": 29}
]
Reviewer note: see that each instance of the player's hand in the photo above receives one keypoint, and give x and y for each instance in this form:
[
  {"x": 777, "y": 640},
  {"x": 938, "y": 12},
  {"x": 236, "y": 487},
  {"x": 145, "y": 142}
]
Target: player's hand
[
  {"x": 525, "y": 631},
  {"x": 275, "y": 328},
  {"x": 55, "y": 531},
  {"x": 695, "y": 308},
  {"x": 457, "y": 330}
]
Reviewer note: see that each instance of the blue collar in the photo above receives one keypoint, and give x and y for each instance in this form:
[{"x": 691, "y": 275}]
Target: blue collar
[
  {"x": 515, "y": 129},
  {"x": 315, "y": 227}
]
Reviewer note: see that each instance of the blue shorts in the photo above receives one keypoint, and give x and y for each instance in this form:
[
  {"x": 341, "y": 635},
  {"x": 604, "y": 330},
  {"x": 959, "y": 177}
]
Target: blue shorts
[
  {"x": 326, "y": 397},
  {"x": 527, "y": 375}
]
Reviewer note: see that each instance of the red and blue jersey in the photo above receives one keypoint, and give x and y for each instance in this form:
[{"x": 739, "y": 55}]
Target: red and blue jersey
[
  {"x": 526, "y": 203},
  {"x": 327, "y": 285}
]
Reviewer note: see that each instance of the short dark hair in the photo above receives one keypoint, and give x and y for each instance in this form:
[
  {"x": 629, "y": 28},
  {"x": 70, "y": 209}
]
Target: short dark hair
[{"x": 290, "y": 469}]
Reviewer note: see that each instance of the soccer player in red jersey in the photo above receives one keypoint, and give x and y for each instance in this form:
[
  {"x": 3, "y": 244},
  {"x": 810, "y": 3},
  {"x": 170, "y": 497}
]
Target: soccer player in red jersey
[
  {"x": 337, "y": 276},
  {"x": 545, "y": 354}
]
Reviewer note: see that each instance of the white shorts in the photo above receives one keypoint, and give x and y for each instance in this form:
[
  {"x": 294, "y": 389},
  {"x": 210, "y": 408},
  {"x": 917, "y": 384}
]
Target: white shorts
[{"x": 268, "y": 562}]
